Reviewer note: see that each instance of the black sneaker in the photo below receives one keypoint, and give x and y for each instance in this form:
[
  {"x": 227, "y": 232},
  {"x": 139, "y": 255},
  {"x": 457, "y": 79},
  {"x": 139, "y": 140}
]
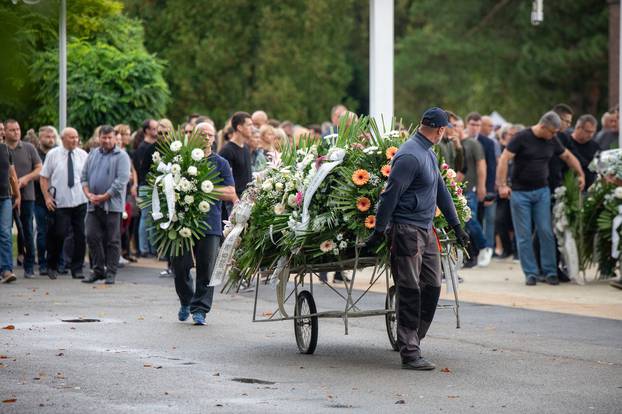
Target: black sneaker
[
  {"x": 93, "y": 278},
  {"x": 531, "y": 281},
  {"x": 419, "y": 364},
  {"x": 78, "y": 275},
  {"x": 29, "y": 275},
  {"x": 52, "y": 274},
  {"x": 43, "y": 271},
  {"x": 110, "y": 279},
  {"x": 552, "y": 280}
]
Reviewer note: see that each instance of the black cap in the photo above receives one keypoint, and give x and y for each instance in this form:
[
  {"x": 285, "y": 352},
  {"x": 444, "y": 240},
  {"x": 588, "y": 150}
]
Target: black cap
[{"x": 435, "y": 118}]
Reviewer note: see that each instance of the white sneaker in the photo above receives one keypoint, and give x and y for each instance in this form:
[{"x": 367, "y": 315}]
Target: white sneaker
[
  {"x": 123, "y": 260},
  {"x": 484, "y": 257}
]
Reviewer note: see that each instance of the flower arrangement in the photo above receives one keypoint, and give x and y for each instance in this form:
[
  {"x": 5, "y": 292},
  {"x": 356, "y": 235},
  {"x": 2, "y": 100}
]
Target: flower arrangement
[
  {"x": 184, "y": 189},
  {"x": 456, "y": 191},
  {"x": 319, "y": 200}
]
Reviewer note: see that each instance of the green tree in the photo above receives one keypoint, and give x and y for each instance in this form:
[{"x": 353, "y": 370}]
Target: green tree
[
  {"x": 290, "y": 58},
  {"x": 485, "y": 55},
  {"x": 111, "y": 77}
]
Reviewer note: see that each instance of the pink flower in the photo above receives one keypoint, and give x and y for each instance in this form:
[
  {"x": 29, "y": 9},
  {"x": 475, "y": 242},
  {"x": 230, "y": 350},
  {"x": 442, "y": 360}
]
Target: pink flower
[
  {"x": 453, "y": 183},
  {"x": 299, "y": 198},
  {"x": 459, "y": 191},
  {"x": 445, "y": 166},
  {"x": 357, "y": 145}
]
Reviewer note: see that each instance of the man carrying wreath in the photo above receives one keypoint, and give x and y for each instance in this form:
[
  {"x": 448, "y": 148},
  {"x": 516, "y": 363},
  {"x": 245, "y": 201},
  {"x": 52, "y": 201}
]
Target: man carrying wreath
[
  {"x": 407, "y": 207},
  {"x": 198, "y": 301}
]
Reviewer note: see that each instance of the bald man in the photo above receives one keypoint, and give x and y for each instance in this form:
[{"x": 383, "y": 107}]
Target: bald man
[
  {"x": 62, "y": 170},
  {"x": 259, "y": 118}
]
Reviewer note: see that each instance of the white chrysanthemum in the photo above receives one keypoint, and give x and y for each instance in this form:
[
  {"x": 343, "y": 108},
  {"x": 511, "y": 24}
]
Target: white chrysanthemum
[
  {"x": 327, "y": 245},
  {"x": 197, "y": 154},
  {"x": 463, "y": 200},
  {"x": 192, "y": 170},
  {"x": 339, "y": 237},
  {"x": 174, "y": 218},
  {"x": 267, "y": 185},
  {"x": 176, "y": 146},
  {"x": 185, "y": 185},
  {"x": 185, "y": 232},
  {"x": 279, "y": 209},
  {"x": 157, "y": 216},
  {"x": 155, "y": 157},
  {"x": 175, "y": 168},
  {"x": 336, "y": 251},
  {"x": 279, "y": 186},
  {"x": 204, "y": 206},
  {"x": 343, "y": 245},
  {"x": 291, "y": 200},
  {"x": 207, "y": 186},
  {"x": 188, "y": 199},
  {"x": 618, "y": 192}
]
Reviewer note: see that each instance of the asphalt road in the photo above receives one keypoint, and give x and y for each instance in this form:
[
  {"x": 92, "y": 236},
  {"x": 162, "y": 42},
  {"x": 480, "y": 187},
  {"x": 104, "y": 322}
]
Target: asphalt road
[{"x": 140, "y": 359}]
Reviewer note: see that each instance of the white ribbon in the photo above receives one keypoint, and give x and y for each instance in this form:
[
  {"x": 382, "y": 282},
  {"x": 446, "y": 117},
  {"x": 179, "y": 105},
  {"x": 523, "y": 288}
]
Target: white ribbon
[
  {"x": 569, "y": 251},
  {"x": 615, "y": 236},
  {"x": 281, "y": 274},
  {"x": 240, "y": 214},
  {"x": 168, "y": 184},
  {"x": 335, "y": 157}
]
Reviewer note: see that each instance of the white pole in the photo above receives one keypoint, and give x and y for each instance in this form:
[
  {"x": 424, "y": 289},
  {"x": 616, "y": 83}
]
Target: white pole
[
  {"x": 62, "y": 66},
  {"x": 381, "y": 60}
]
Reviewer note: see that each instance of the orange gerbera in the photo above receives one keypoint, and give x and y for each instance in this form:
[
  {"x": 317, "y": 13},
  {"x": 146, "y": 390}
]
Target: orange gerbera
[
  {"x": 386, "y": 170},
  {"x": 370, "y": 222},
  {"x": 390, "y": 153},
  {"x": 360, "y": 177},
  {"x": 363, "y": 204}
]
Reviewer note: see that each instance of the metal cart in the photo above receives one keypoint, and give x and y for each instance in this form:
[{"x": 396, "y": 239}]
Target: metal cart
[{"x": 305, "y": 314}]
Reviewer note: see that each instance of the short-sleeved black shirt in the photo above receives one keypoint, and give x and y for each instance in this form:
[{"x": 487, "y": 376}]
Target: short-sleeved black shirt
[
  {"x": 531, "y": 163},
  {"x": 240, "y": 161},
  {"x": 6, "y": 160},
  {"x": 142, "y": 159},
  {"x": 38, "y": 194}
]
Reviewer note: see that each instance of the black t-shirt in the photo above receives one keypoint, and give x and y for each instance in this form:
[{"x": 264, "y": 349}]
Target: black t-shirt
[
  {"x": 240, "y": 161},
  {"x": 142, "y": 160},
  {"x": 556, "y": 166},
  {"x": 531, "y": 163},
  {"x": 585, "y": 154},
  {"x": 6, "y": 160},
  {"x": 38, "y": 194}
]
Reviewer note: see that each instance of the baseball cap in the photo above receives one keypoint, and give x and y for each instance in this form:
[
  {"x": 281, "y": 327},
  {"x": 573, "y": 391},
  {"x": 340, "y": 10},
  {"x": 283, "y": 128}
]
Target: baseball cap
[{"x": 435, "y": 118}]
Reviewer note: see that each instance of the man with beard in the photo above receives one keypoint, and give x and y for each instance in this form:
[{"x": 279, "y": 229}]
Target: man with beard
[{"x": 407, "y": 207}]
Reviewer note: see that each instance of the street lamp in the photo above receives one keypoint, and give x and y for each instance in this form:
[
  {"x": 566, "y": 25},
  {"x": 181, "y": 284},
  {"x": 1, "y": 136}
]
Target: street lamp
[{"x": 62, "y": 61}]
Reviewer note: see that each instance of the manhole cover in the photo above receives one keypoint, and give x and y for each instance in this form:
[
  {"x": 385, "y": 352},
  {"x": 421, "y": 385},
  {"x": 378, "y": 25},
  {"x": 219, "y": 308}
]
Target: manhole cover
[
  {"x": 252, "y": 381},
  {"x": 80, "y": 320}
]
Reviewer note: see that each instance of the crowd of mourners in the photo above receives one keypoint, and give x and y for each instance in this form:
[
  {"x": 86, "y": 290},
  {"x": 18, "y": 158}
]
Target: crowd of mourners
[{"x": 62, "y": 193}]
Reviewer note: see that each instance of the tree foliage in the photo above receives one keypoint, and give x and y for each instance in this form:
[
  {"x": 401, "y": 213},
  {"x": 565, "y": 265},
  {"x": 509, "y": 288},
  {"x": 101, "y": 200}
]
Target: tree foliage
[
  {"x": 111, "y": 78},
  {"x": 485, "y": 55},
  {"x": 289, "y": 57}
]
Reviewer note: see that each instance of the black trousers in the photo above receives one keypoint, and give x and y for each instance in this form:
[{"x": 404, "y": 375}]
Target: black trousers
[
  {"x": 61, "y": 222},
  {"x": 103, "y": 235},
  {"x": 205, "y": 253},
  {"x": 503, "y": 224},
  {"x": 416, "y": 269}
]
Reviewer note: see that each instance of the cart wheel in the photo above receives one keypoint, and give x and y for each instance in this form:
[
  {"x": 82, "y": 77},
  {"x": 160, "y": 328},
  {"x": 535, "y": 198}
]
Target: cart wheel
[
  {"x": 306, "y": 328},
  {"x": 391, "y": 318}
]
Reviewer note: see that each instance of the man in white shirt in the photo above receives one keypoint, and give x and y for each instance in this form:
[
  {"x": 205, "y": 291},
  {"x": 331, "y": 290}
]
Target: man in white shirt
[{"x": 60, "y": 185}]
